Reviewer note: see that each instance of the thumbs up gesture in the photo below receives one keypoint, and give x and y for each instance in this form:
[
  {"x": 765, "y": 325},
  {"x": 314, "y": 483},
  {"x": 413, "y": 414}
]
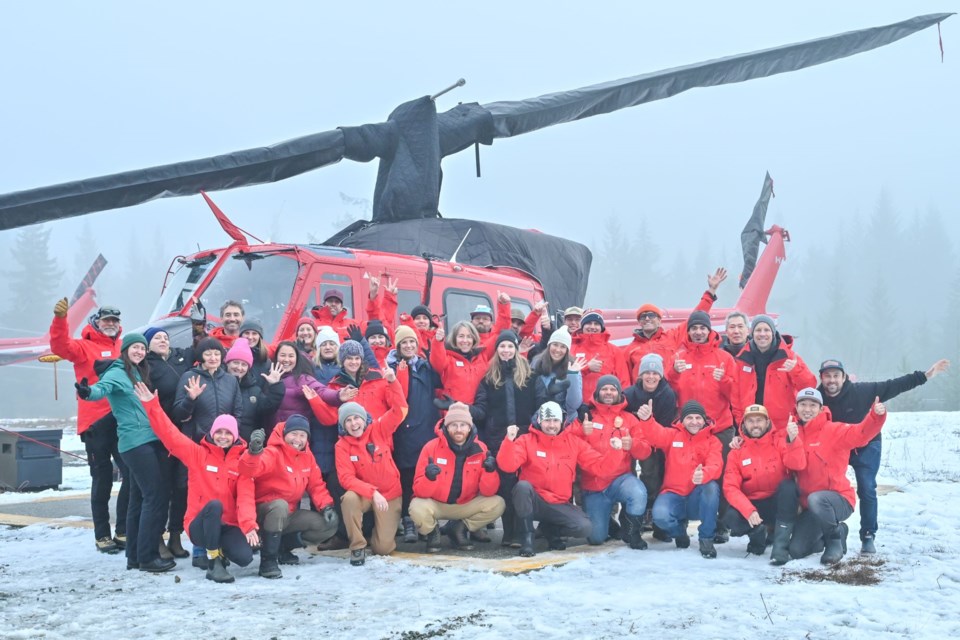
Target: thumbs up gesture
[
  {"x": 878, "y": 407},
  {"x": 587, "y": 425},
  {"x": 792, "y": 429},
  {"x": 698, "y": 475},
  {"x": 432, "y": 470},
  {"x": 645, "y": 411}
]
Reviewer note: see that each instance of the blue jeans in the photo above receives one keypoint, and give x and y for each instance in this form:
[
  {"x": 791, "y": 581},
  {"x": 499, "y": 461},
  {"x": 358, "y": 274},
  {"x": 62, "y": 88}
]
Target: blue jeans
[
  {"x": 671, "y": 510},
  {"x": 866, "y": 464},
  {"x": 597, "y": 504}
]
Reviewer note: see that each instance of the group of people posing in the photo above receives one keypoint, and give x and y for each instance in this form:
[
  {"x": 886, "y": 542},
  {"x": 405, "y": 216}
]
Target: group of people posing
[{"x": 400, "y": 428}]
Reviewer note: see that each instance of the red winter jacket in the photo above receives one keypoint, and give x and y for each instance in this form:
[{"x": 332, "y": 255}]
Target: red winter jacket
[
  {"x": 756, "y": 469},
  {"x": 340, "y": 323},
  {"x": 371, "y": 394},
  {"x": 827, "y": 446},
  {"x": 365, "y": 463},
  {"x": 460, "y": 375},
  {"x": 500, "y": 324},
  {"x": 780, "y": 388},
  {"x": 383, "y": 308},
  {"x": 550, "y": 463},
  {"x": 697, "y": 383},
  {"x": 598, "y": 345},
  {"x": 605, "y": 418},
  {"x": 83, "y": 353},
  {"x": 224, "y": 339},
  {"x": 283, "y": 473},
  {"x": 213, "y": 473},
  {"x": 661, "y": 342},
  {"x": 474, "y": 480},
  {"x": 684, "y": 452}
]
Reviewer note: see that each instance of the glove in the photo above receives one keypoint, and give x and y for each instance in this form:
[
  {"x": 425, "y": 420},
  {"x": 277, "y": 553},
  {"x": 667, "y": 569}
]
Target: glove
[
  {"x": 443, "y": 403},
  {"x": 83, "y": 389},
  {"x": 60, "y": 309},
  {"x": 432, "y": 470},
  {"x": 558, "y": 386},
  {"x": 354, "y": 333},
  {"x": 198, "y": 313},
  {"x": 255, "y": 447},
  {"x": 330, "y": 515},
  {"x": 490, "y": 462}
]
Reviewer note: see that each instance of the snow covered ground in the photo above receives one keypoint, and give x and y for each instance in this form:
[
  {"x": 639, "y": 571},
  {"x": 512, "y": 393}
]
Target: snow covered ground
[{"x": 53, "y": 585}]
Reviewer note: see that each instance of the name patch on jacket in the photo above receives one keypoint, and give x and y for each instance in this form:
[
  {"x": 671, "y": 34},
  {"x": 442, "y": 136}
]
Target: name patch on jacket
[
  {"x": 677, "y": 444},
  {"x": 747, "y": 369},
  {"x": 598, "y": 425},
  {"x": 354, "y": 458},
  {"x": 289, "y": 469},
  {"x": 105, "y": 354},
  {"x": 212, "y": 468},
  {"x": 746, "y": 461},
  {"x": 458, "y": 363},
  {"x": 541, "y": 454},
  {"x": 441, "y": 461}
]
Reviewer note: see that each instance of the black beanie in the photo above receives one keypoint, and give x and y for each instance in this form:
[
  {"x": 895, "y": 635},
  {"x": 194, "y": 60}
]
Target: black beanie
[
  {"x": 421, "y": 310},
  {"x": 296, "y": 422},
  {"x": 699, "y": 317},
  {"x": 604, "y": 381},
  {"x": 691, "y": 407},
  {"x": 508, "y": 335},
  {"x": 375, "y": 328},
  {"x": 208, "y": 344}
]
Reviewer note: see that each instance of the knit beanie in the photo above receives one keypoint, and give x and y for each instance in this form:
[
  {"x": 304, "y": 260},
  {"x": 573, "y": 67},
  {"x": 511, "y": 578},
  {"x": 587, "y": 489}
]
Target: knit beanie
[
  {"x": 458, "y": 412},
  {"x": 692, "y": 407},
  {"x": 420, "y": 310},
  {"x": 208, "y": 344},
  {"x": 152, "y": 331},
  {"x": 651, "y": 362},
  {"x": 303, "y": 321},
  {"x": 132, "y": 339},
  {"x": 350, "y": 348},
  {"x": 375, "y": 328},
  {"x": 508, "y": 335},
  {"x": 348, "y": 409},
  {"x": 296, "y": 422},
  {"x": 561, "y": 336},
  {"x": 698, "y": 317},
  {"x": 549, "y": 411},
  {"x": 240, "y": 351},
  {"x": 611, "y": 380},
  {"x": 649, "y": 308},
  {"x": 402, "y": 333},
  {"x": 252, "y": 325},
  {"x": 765, "y": 319},
  {"x": 225, "y": 421},
  {"x": 327, "y": 334},
  {"x": 593, "y": 316}
]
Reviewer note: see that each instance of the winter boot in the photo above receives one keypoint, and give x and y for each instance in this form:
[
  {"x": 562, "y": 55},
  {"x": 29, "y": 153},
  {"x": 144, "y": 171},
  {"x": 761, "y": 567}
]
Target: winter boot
[
  {"x": 121, "y": 540},
  {"x": 554, "y": 540},
  {"x": 458, "y": 536},
  {"x": 683, "y": 540},
  {"x": 648, "y": 520},
  {"x": 758, "y": 540},
  {"x": 780, "y": 554},
  {"x": 199, "y": 557},
  {"x": 614, "y": 529},
  {"x": 660, "y": 534},
  {"x": 707, "y": 550},
  {"x": 357, "y": 557},
  {"x": 269, "y": 552},
  {"x": 632, "y": 531},
  {"x": 432, "y": 544},
  {"x": 525, "y": 526},
  {"x": 844, "y": 532},
  {"x": 722, "y": 536},
  {"x": 164, "y": 552},
  {"x": 409, "y": 530},
  {"x": 867, "y": 547},
  {"x": 216, "y": 570},
  {"x": 157, "y": 565},
  {"x": 288, "y": 542},
  {"x": 833, "y": 546},
  {"x": 107, "y": 545},
  {"x": 175, "y": 546},
  {"x": 480, "y": 535}
]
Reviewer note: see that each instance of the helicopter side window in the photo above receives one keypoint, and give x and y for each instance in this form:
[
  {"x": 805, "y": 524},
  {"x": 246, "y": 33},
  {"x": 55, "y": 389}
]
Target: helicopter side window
[
  {"x": 407, "y": 299},
  {"x": 458, "y": 303},
  {"x": 341, "y": 283}
]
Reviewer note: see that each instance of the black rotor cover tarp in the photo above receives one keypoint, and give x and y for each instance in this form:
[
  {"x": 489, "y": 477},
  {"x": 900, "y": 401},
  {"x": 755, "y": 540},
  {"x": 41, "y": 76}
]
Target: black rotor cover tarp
[{"x": 562, "y": 266}]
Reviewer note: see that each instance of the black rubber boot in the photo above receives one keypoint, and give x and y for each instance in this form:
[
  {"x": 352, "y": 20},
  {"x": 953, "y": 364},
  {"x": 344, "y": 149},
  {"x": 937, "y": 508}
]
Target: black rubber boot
[
  {"x": 835, "y": 546},
  {"x": 525, "y": 527},
  {"x": 218, "y": 572},
  {"x": 176, "y": 546},
  {"x": 409, "y": 530},
  {"x": 758, "y": 540},
  {"x": 554, "y": 540},
  {"x": 288, "y": 542},
  {"x": 358, "y": 557},
  {"x": 722, "y": 536},
  {"x": 780, "y": 554},
  {"x": 867, "y": 546},
  {"x": 269, "y": 552},
  {"x": 458, "y": 536},
  {"x": 707, "y": 550},
  {"x": 632, "y": 531},
  {"x": 683, "y": 540},
  {"x": 432, "y": 543}
]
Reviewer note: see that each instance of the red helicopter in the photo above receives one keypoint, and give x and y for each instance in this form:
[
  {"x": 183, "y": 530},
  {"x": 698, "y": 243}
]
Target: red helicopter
[{"x": 450, "y": 265}]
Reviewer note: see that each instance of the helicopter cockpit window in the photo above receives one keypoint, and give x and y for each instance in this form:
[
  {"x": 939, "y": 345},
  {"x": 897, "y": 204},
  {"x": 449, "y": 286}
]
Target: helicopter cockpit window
[
  {"x": 341, "y": 283},
  {"x": 458, "y": 303},
  {"x": 182, "y": 285},
  {"x": 262, "y": 282}
]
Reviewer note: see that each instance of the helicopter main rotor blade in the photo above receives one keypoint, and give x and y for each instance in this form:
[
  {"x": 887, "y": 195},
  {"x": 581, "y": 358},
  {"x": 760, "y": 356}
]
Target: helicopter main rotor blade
[
  {"x": 238, "y": 169},
  {"x": 512, "y": 118}
]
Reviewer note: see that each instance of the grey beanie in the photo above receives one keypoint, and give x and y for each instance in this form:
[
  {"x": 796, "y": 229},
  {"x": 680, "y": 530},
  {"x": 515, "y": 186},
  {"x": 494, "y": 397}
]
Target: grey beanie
[
  {"x": 348, "y": 409},
  {"x": 764, "y": 319},
  {"x": 651, "y": 362}
]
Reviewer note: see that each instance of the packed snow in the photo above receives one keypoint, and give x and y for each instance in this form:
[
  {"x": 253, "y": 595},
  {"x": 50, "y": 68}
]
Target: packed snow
[{"x": 53, "y": 584}]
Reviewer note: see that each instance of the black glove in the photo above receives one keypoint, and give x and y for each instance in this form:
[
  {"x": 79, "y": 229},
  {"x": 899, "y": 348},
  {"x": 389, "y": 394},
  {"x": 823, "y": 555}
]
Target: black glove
[
  {"x": 330, "y": 515},
  {"x": 83, "y": 389},
  {"x": 255, "y": 447},
  {"x": 490, "y": 462},
  {"x": 558, "y": 386},
  {"x": 443, "y": 403},
  {"x": 432, "y": 470},
  {"x": 353, "y": 331}
]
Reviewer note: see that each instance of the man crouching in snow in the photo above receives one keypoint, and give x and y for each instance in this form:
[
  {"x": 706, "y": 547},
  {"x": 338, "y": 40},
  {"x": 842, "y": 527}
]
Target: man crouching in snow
[
  {"x": 825, "y": 493},
  {"x": 456, "y": 479},
  {"x": 547, "y": 460},
  {"x": 693, "y": 466}
]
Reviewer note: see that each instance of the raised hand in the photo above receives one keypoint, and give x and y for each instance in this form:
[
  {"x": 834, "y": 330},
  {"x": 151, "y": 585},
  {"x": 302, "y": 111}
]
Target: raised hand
[
  {"x": 276, "y": 371},
  {"x": 353, "y": 331},
  {"x": 390, "y": 375},
  {"x": 143, "y": 393},
  {"x": 255, "y": 446},
  {"x": 391, "y": 285},
  {"x": 577, "y": 365},
  {"x": 348, "y": 393},
  {"x": 698, "y": 475},
  {"x": 432, "y": 470},
  {"x": 792, "y": 429},
  {"x": 878, "y": 407},
  {"x": 526, "y": 344},
  {"x": 788, "y": 365},
  {"x": 587, "y": 424},
  {"x": 512, "y": 432},
  {"x": 439, "y": 334},
  {"x": 308, "y": 392},
  {"x": 645, "y": 411},
  {"x": 714, "y": 281},
  {"x": 595, "y": 364},
  {"x": 194, "y": 388},
  {"x": 627, "y": 441},
  {"x": 60, "y": 309},
  {"x": 938, "y": 367},
  {"x": 679, "y": 365},
  {"x": 503, "y": 297},
  {"x": 374, "y": 287}
]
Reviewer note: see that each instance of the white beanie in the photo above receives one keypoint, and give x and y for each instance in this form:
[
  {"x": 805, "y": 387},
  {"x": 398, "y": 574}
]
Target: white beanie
[
  {"x": 326, "y": 334},
  {"x": 561, "y": 336}
]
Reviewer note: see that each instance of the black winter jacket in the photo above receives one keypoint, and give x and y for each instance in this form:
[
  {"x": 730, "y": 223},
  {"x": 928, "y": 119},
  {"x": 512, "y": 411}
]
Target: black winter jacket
[
  {"x": 855, "y": 399},
  {"x": 222, "y": 395},
  {"x": 664, "y": 401},
  {"x": 260, "y": 401},
  {"x": 494, "y": 409}
]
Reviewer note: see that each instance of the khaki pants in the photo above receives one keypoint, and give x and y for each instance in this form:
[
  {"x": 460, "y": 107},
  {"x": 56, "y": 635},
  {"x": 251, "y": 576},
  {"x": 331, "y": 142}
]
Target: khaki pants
[
  {"x": 475, "y": 514},
  {"x": 382, "y": 541}
]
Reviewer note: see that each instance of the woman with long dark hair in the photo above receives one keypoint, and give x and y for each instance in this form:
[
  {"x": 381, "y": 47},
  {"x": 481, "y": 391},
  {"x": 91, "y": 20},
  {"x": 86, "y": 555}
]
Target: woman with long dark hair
[
  {"x": 145, "y": 457},
  {"x": 558, "y": 374}
]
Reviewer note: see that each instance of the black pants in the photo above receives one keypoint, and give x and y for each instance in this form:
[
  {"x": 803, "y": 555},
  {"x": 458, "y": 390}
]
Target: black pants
[
  {"x": 100, "y": 441},
  {"x": 149, "y": 497},
  {"x": 566, "y": 519},
  {"x": 820, "y": 521},
  {"x": 651, "y": 475},
  {"x": 406, "y": 484},
  {"x": 336, "y": 492},
  {"x": 507, "y": 482},
  {"x": 780, "y": 507},
  {"x": 207, "y": 530},
  {"x": 178, "y": 494},
  {"x": 724, "y": 437}
]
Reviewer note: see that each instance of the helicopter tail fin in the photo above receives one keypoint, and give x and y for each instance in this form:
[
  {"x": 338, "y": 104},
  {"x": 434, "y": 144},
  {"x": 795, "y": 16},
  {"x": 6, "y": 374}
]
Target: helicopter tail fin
[{"x": 753, "y": 298}]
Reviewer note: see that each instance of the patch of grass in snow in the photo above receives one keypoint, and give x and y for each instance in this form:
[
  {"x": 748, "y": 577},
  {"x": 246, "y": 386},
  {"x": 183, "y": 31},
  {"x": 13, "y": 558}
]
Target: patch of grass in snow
[
  {"x": 441, "y": 628},
  {"x": 858, "y": 571}
]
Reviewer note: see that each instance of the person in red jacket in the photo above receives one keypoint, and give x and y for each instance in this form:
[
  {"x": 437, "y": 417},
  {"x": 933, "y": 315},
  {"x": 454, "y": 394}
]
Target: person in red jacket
[
  {"x": 606, "y": 421},
  {"x": 693, "y": 466},
  {"x": 650, "y": 338},
  {"x": 482, "y": 319},
  {"x": 332, "y": 313},
  {"x": 769, "y": 373},
  {"x": 367, "y": 472},
  {"x": 759, "y": 484},
  {"x": 461, "y": 361},
  {"x": 231, "y": 317},
  {"x": 282, "y": 473},
  {"x": 96, "y": 425},
  {"x": 547, "y": 460},
  {"x": 221, "y": 515},
  {"x": 825, "y": 492},
  {"x": 456, "y": 480},
  {"x": 592, "y": 343}
]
